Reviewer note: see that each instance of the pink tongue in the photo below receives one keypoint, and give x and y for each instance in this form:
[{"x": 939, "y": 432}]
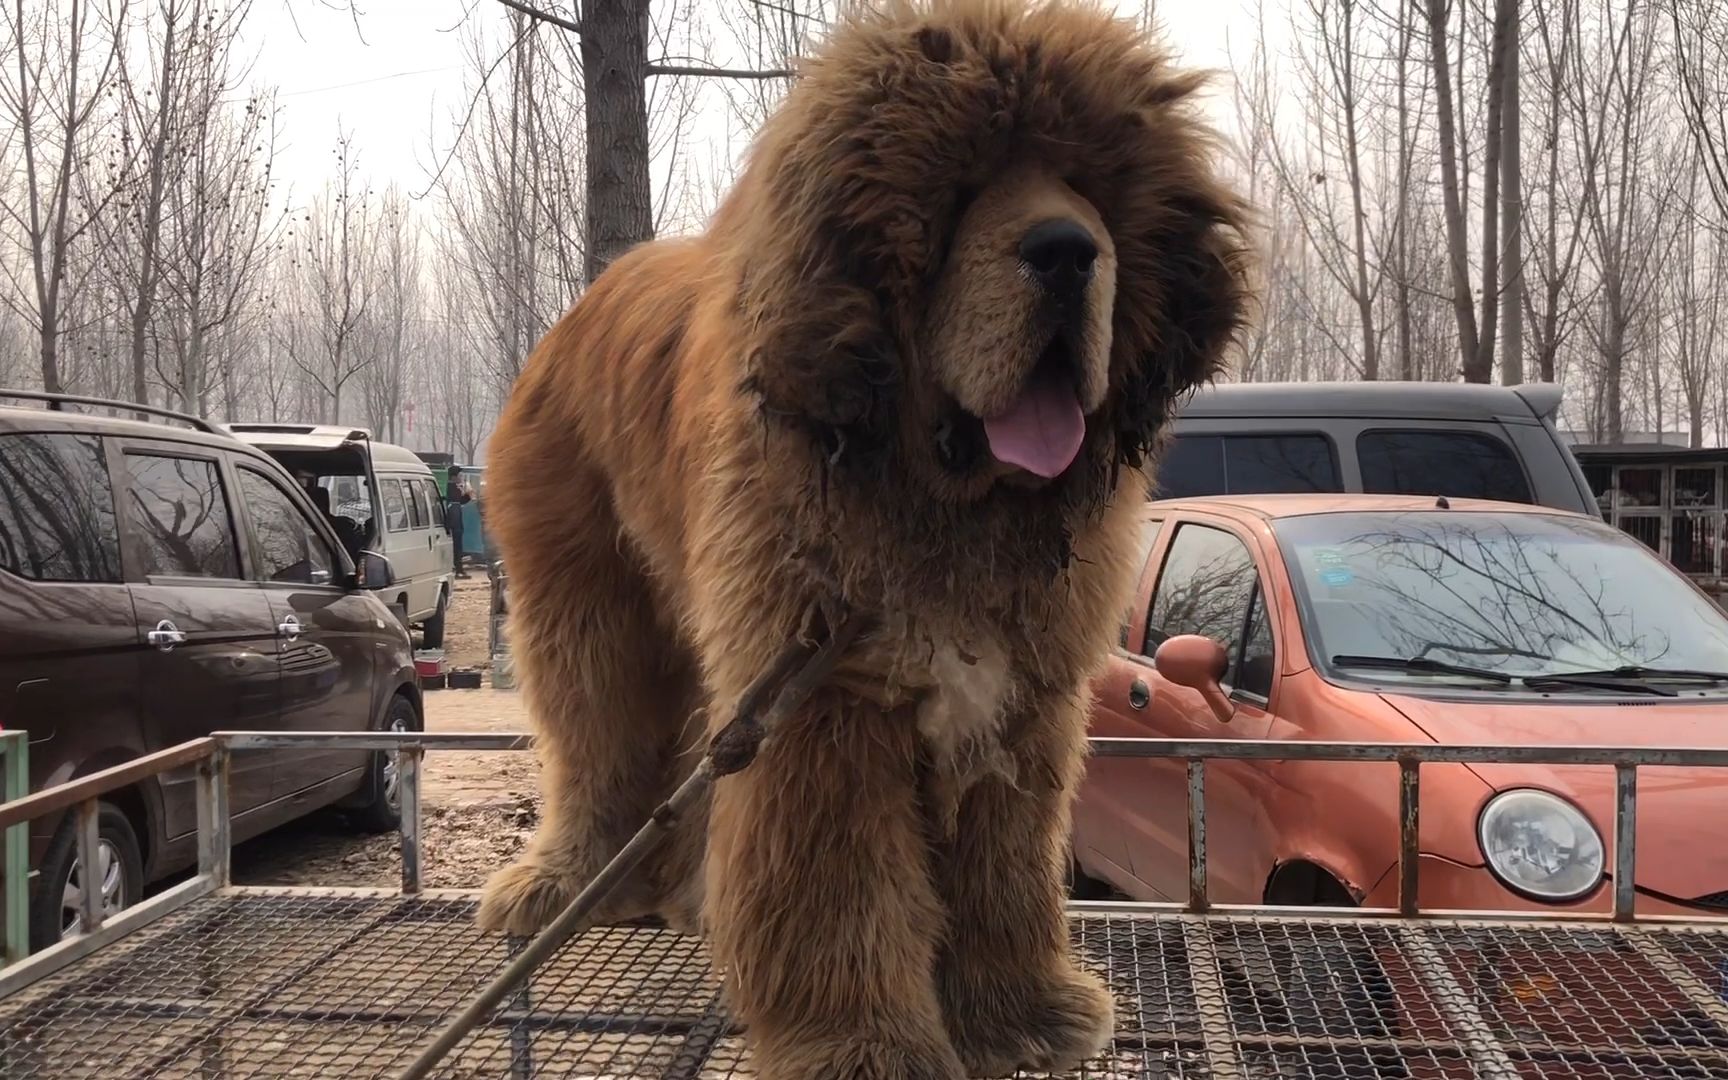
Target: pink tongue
[{"x": 1042, "y": 431}]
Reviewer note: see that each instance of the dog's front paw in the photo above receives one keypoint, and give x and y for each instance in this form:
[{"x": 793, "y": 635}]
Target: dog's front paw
[
  {"x": 878, "y": 1058},
  {"x": 1000, "y": 1027}
]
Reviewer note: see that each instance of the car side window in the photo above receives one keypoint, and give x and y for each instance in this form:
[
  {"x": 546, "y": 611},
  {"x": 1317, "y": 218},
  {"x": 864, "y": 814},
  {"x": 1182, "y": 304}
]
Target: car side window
[
  {"x": 289, "y": 547},
  {"x": 1148, "y": 541},
  {"x": 179, "y": 511},
  {"x": 416, "y": 505},
  {"x": 1296, "y": 462},
  {"x": 1204, "y": 588},
  {"x": 429, "y": 498},
  {"x": 57, "y": 520},
  {"x": 1460, "y": 464},
  {"x": 1258, "y": 661},
  {"x": 395, "y": 506}
]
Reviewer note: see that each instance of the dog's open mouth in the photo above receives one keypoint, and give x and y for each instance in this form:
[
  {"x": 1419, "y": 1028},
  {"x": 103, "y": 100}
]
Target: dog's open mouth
[{"x": 1041, "y": 431}]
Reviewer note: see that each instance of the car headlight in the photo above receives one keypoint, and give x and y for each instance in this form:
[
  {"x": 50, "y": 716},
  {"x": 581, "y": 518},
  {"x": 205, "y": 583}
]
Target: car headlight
[{"x": 1540, "y": 845}]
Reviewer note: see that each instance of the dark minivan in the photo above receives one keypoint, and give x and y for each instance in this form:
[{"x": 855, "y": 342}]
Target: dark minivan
[
  {"x": 1394, "y": 438},
  {"x": 158, "y": 584}
]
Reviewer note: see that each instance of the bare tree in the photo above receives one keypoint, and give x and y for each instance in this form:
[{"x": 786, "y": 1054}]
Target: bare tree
[
  {"x": 60, "y": 59},
  {"x": 398, "y": 324},
  {"x": 337, "y": 282}
]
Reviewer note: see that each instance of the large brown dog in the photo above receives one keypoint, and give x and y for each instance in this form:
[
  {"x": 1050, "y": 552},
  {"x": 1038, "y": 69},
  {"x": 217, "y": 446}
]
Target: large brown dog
[{"x": 917, "y": 366}]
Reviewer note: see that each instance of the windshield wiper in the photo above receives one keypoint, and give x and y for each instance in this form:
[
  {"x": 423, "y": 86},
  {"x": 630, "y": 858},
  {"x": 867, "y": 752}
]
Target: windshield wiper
[
  {"x": 1634, "y": 677},
  {"x": 1419, "y": 665},
  {"x": 1639, "y": 671}
]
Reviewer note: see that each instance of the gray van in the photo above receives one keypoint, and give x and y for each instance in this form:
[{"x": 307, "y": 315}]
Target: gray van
[{"x": 1417, "y": 438}]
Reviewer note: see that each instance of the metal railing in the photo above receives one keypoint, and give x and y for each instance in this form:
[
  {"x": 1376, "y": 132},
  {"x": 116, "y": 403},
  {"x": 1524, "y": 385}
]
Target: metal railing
[{"x": 211, "y": 756}]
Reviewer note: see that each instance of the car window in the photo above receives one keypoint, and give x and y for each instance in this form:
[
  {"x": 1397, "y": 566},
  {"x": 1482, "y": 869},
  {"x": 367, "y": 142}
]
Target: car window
[
  {"x": 179, "y": 512},
  {"x": 1258, "y": 654},
  {"x": 1197, "y": 465},
  {"x": 395, "y": 507},
  {"x": 57, "y": 519},
  {"x": 1459, "y": 464},
  {"x": 416, "y": 504},
  {"x": 290, "y": 549},
  {"x": 1148, "y": 540},
  {"x": 429, "y": 498},
  {"x": 1204, "y": 588}
]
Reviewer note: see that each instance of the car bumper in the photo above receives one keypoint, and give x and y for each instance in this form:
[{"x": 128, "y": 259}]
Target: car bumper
[{"x": 1445, "y": 885}]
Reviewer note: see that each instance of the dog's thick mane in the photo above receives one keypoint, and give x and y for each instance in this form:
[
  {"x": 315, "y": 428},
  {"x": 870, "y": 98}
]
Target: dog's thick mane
[{"x": 842, "y": 219}]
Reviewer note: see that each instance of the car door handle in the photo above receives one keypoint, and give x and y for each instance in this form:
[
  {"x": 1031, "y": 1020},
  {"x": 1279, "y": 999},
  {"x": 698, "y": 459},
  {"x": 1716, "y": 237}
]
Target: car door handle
[
  {"x": 289, "y": 628},
  {"x": 166, "y": 636},
  {"x": 1139, "y": 694}
]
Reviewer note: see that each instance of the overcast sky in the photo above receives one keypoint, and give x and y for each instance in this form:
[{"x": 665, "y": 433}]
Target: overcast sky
[{"x": 395, "y": 81}]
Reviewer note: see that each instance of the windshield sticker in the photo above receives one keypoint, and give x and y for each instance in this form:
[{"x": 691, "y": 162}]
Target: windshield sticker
[{"x": 1334, "y": 571}]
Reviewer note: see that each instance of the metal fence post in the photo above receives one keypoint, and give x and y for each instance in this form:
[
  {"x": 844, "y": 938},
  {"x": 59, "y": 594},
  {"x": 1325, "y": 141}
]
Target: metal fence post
[
  {"x": 214, "y": 840},
  {"x": 408, "y": 786},
  {"x": 15, "y": 749}
]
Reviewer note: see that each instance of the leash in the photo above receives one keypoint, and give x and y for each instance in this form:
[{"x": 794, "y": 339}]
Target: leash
[{"x": 796, "y": 673}]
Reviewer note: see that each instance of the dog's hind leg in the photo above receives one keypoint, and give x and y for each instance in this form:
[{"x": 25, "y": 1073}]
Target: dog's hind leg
[
  {"x": 1012, "y": 995},
  {"x": 610, "y": 689}
]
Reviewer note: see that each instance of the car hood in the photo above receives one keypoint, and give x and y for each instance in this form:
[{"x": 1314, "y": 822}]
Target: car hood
[{"x": 1680, "y": 810}]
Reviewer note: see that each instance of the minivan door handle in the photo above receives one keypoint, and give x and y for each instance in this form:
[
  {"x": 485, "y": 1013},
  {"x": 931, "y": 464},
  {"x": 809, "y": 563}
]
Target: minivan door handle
[
  {"x": 1139, "y": 694},
  {"x": 289, "y": 627},
  {"x": 166, "y": 636}
]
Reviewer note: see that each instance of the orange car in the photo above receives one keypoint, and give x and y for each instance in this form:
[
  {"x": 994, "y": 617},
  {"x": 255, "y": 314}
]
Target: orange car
[{"x": 1360, "y": 618}]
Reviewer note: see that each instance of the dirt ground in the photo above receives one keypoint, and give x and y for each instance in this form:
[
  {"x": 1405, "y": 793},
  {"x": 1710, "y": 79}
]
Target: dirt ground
[{"x": 478, "y": 809}]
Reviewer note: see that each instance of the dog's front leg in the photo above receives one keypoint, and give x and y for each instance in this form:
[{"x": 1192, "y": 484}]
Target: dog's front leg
[
  {"x": 1012, "y": 995},
  {"x": 820, "y": 905}
]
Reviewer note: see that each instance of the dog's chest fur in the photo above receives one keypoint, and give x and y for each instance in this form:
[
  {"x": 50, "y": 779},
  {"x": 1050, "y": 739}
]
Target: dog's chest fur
[{"x": 961, "y": 720}]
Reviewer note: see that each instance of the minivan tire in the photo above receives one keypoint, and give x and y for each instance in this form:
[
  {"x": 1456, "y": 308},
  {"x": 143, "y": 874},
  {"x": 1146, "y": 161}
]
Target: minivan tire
[
  {"x": 432, "y": 630},
  {"x": 115, "y": 832},
  {"x": 384, "y": 812}
]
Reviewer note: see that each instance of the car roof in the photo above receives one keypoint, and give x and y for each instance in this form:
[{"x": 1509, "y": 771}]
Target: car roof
[
  {"x": 17, "y": 418},
  {"x": 280, "y": 436},
  {"x": 1273, "y": 507},
  {"x": 1379, "y": 399}
]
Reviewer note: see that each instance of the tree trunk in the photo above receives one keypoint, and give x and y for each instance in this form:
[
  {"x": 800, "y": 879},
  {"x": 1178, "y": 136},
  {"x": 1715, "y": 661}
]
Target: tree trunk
[
  {"x": 1457, "y": 239},
  {"x": 1480, "y": 368},
  {"x": 614, "y": 81},
  {"x": 1512, "y": 217}
]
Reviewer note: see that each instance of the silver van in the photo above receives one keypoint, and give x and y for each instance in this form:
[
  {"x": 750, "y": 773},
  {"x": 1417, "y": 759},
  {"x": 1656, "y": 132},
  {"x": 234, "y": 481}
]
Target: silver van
[{"x": 379, "y": 497}]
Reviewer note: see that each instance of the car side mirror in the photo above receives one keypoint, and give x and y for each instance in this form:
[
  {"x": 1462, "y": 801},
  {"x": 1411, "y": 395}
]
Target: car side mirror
[
  {"x": 1198, "y": 663},
  {"x": 373, "y": 571}
]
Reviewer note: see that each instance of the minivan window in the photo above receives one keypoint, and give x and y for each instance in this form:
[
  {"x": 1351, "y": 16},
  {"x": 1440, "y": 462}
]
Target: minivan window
[
  {"x": 179, "y": 512},
  {"x": 1460, "y": 464},
  {"x": 57, "y": 518},
  {"x": 290, "y": 550},
  {"x": 1197, "y": 465},
  {"x": 395, "y": 507},
  {"x": 416, "y": 504}
]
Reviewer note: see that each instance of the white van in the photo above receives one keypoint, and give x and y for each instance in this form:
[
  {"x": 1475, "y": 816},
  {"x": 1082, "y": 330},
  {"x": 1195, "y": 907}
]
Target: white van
[{"x": 380, "y": 497}]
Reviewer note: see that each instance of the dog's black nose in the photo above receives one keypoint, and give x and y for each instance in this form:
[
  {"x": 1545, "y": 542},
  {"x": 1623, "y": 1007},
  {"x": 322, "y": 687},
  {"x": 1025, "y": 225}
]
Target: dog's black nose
[{"x": 1060, "y": 254}]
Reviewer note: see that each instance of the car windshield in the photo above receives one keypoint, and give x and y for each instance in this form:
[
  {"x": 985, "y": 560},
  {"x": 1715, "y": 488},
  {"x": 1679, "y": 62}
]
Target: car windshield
[{"x": 1446, "y": 592}]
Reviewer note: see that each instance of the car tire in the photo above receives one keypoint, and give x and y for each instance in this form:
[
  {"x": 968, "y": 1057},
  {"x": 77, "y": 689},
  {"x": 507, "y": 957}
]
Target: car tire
[
  {"x": 1319, "y": 989},
  {"x": 1080, "y": 885},
  {"x": 432, "y": 630},
  {"x": 384, "y": 812},
  {"x": 53, "y": 910}
]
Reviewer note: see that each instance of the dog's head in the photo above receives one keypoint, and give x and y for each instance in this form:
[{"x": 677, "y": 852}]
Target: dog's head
[{"x": 985, "y": 244}]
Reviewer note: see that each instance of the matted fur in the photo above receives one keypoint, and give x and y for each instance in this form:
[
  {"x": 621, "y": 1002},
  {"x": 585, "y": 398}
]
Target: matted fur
[{"x": 730, "y": 431}]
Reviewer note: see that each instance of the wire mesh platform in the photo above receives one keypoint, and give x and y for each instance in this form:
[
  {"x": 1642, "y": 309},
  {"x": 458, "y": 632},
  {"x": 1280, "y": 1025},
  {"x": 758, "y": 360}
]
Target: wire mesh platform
[{"x": 289, "y": 983}]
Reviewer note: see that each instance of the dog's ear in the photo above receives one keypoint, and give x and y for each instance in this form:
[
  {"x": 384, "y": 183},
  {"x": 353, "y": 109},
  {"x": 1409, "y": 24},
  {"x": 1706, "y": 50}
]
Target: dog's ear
[{"x": 1203, "y": 273}]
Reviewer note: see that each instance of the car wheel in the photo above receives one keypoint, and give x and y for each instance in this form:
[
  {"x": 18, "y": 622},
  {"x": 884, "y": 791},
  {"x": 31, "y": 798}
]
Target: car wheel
[
  {"x": 384, "y": 812},
  {"x": 1320, "y": 984},
  {"x": 432, "y": 630},
  {"x": 1079, "y": 885},
  {"x": 56, "y": 911}
]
